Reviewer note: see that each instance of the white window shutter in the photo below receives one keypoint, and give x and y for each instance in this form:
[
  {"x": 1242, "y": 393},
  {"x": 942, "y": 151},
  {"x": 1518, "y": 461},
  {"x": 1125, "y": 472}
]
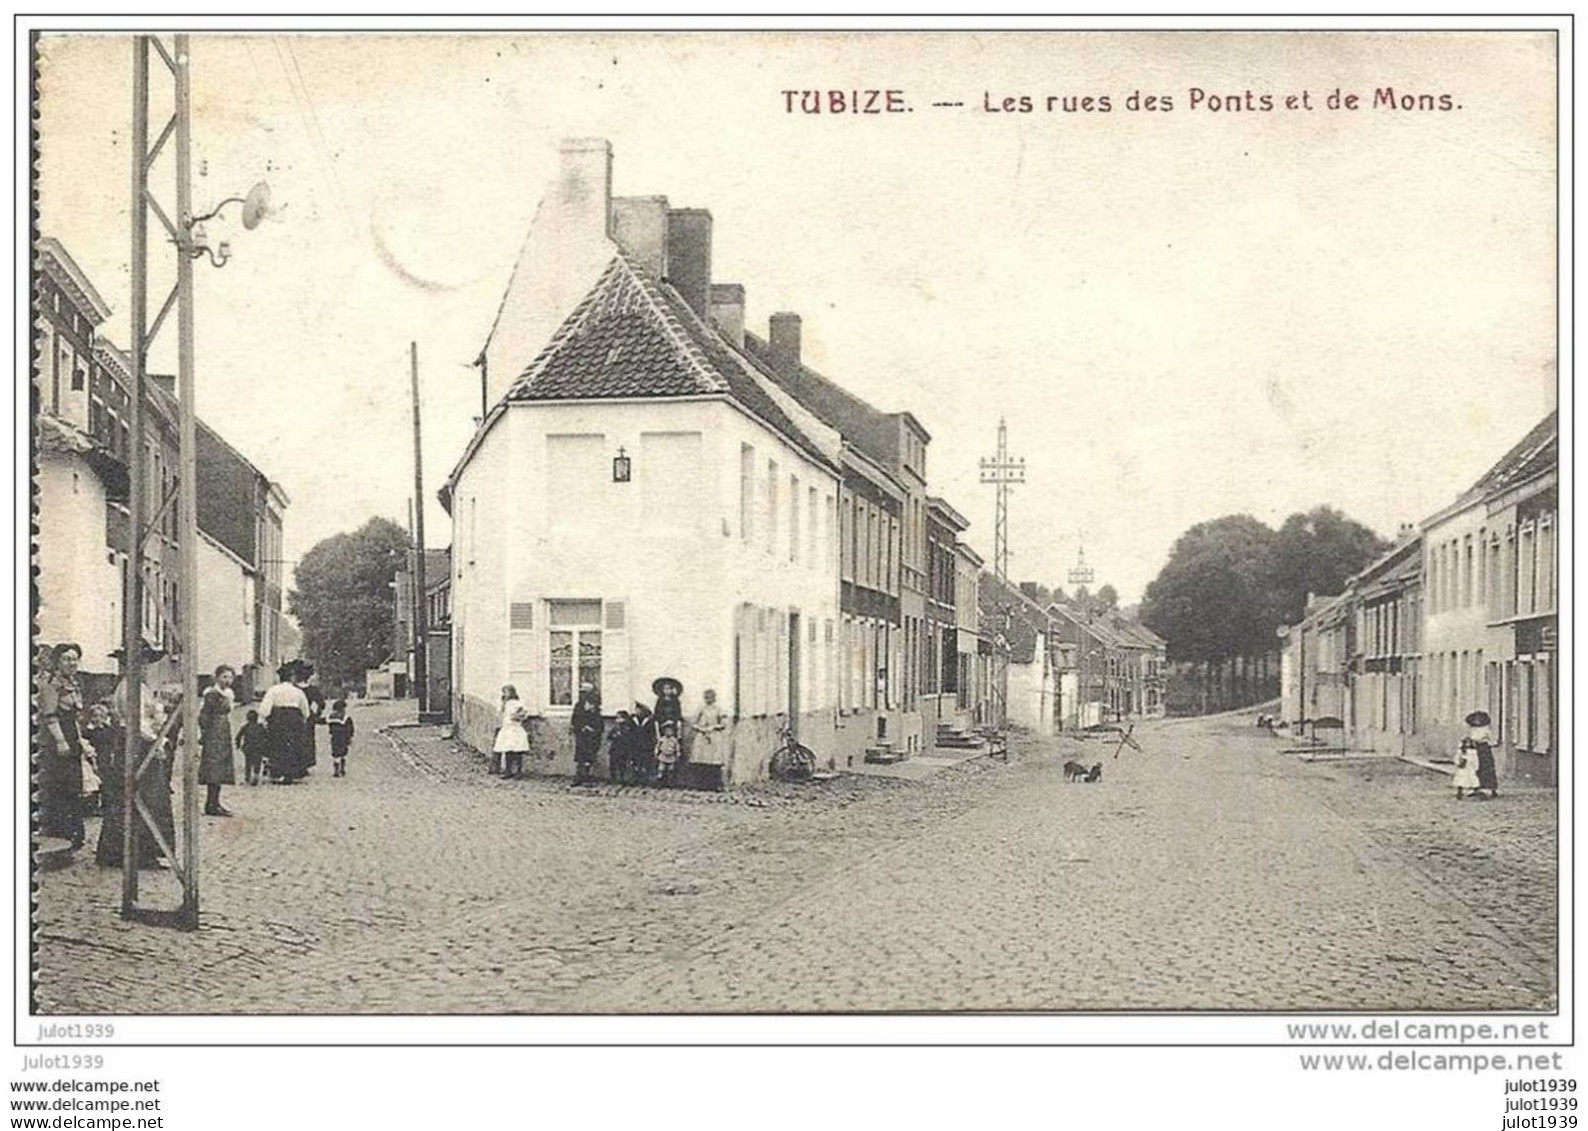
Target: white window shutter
[
  {"x": 616, "y": 691},
  {"x": 521, "y": 651}
]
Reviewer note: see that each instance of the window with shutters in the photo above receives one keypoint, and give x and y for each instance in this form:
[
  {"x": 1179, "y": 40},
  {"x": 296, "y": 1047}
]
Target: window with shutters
[
  {"x": 746, "y": 492},
  {"x": 771, "y": 506},
  {"x": 574, "y": 653},
  {"x": 810, "y": 528},
  {"x": 793, "y": 518}
]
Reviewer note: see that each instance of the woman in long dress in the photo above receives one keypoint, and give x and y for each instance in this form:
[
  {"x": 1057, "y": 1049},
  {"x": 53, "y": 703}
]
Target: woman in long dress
[
  {"x": 1480, "y": 746},
  {"x": 285, "y": 712},
  {"x": 217, "y": 765},
  {"x": 61, "y": 751}
]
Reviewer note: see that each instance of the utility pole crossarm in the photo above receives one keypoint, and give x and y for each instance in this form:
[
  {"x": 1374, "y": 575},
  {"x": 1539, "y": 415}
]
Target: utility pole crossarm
[{"x": 1003, "y": 471}]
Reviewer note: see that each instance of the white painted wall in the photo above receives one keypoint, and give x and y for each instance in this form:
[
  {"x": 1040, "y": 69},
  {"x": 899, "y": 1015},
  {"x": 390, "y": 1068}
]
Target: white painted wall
[
  {"x": 225, "y": 609},
  {"x": 1031, "y": 692},
  {"x": 567, "y": 247},
  {"x": 1449, "y": 629},
  {"x": 79, "y": 587},
  {"x": 530, "y": 526}
]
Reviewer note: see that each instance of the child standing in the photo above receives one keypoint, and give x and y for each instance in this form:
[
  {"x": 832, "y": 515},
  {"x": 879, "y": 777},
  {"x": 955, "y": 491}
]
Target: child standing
[
  {"x": 512, "y": 739},
  {"x": 253, "y": 740},
  {"x": 341, "y": 728}
]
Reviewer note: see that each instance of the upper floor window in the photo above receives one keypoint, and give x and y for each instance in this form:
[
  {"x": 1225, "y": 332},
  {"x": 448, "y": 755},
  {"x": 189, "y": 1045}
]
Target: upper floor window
[
  {"x": 746, "y": 492},
  {"x": 771, "y": 506}
]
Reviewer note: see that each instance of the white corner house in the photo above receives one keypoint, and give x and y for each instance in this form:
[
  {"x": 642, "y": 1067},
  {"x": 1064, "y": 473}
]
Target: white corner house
[{"x": 642, "y": 500}]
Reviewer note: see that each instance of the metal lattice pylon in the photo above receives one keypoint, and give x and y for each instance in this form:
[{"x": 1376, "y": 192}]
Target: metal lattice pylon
[{"x": 1003, "y": 472}]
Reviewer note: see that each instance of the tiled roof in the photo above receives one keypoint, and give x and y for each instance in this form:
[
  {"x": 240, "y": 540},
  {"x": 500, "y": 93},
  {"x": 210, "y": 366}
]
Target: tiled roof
[
  {"x": 1538, "y": 450},
  {"x": 855, "y": 419},
  {"x": 633, "y": 336},
  {"x": 1024, "y": 619}
]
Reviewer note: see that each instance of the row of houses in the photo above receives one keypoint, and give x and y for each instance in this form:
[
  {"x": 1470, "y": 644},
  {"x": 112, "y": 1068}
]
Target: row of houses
[
  {"x": 1458, "y": 616},
  {"x": 657, "y": 489},
  {"x": 1069, "y": 669},
  {"x": 84, "y": 466}
]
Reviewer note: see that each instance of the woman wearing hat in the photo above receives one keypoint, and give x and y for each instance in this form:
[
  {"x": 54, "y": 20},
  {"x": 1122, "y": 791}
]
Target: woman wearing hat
[
  {"x": 1479, "y": 746},
  {"x": 285, "y": 712},
  {"x": 669, "y": 720}
]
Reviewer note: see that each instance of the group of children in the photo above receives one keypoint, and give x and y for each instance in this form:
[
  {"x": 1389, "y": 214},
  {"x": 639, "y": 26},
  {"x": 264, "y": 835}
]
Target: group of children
[
  {"x": 253, "y": 739},
  {"x": 644, "y": 746}
]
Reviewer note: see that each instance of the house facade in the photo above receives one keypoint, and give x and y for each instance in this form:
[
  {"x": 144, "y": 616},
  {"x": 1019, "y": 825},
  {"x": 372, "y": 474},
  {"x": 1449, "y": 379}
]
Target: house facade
[
  {"x": 1024, "y": 646},
  {"x": 84, "y": 525},
  {"x": 941, "y": 712},
  {"x": 1459, "y": 616},
  {"x": 877, "y": 707},
  {"x": 1386, "y": 666},
  {"x": 644, "y": 500},
  {"x": 1521, "y": 582}
]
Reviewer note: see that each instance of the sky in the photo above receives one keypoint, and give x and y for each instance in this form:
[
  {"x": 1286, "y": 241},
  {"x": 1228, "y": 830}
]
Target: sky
[{"x": 1181, "y": 315}]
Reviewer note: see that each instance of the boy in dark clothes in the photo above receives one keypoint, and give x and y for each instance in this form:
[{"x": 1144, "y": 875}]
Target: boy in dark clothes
[
  {"x": 341, "y": 728},
  {"x": 253, "y": 740}
]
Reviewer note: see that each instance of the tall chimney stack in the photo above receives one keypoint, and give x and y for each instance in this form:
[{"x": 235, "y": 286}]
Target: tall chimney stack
[
  {"x": 727, "y": 311},
  {"x": 639, "y": 224},
  {"x": 689, "y": 257},
  {"x": 784, "y": 337},
  {"x": 584, "y": 184}
]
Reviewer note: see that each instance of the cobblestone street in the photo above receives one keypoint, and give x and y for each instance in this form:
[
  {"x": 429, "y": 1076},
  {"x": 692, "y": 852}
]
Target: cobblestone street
[{"x": 1209, "y": 871}]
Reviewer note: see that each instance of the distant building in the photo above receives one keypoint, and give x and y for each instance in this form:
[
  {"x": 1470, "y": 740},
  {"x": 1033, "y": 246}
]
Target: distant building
[
  {"x": 240, "y": 516},
  {"x": 946, "y": 665},
  {"x": 1025, "y": 642},
  {"x": 1459, "y": 616}
]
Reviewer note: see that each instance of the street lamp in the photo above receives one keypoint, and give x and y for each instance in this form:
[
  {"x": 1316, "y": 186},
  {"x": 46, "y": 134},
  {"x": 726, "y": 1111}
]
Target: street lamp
[{"x": 256, "y": 206}]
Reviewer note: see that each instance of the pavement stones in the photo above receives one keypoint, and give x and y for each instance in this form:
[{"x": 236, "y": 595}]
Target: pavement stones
[{"x": 1209, "y": 871}]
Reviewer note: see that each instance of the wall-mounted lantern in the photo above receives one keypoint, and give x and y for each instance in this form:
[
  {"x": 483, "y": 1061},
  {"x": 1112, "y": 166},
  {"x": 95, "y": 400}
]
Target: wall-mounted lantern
[{"x": 620, "y": 467}]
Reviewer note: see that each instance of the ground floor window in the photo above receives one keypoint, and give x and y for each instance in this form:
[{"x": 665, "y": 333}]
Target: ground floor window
[{"x": 575, "y": 649}]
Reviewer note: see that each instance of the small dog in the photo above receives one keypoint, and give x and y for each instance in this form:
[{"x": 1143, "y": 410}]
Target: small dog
[
  {"x": 1073, "y": 771},
  {"x": 1095, "y": 773}
]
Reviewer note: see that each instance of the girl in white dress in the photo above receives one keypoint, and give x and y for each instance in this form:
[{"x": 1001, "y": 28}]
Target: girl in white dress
[
  {"x": 1466, "y": 776},
  {"x": 512, "y": 740}
]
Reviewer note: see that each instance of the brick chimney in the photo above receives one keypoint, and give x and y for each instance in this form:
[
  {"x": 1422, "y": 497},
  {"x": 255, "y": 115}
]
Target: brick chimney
[
  {"x": 639, "y": 224},
  {"x": 689, "y": 257},
  {"x": 784, "y": 337},
  {"x": 584, "y": 182},
  {"x": 727, "y": 311}
]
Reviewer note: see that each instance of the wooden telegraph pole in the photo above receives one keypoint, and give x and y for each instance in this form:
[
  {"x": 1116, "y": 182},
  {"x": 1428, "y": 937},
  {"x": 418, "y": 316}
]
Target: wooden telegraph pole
[{"x": 421, "y": 637}]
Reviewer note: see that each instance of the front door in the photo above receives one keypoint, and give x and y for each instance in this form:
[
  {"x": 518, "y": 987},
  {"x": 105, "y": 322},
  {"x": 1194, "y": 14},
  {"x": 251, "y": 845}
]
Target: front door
[{"x": 794, "y": 672}]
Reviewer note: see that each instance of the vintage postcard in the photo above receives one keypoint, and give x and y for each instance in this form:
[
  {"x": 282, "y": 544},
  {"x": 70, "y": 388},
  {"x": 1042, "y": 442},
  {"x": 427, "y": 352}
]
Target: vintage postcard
[{"x": 606, "y": 522}]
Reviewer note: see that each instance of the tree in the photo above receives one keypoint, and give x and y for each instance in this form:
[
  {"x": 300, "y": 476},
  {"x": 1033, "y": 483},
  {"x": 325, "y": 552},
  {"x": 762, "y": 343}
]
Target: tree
[
  {"x": 1317, "y": 552},
  {"x": 343, "y": 600},
  {"x": 1214, "y": 599},
  {"x": 1037, "y": 592},
  {"x": 1107, "y": 598}
]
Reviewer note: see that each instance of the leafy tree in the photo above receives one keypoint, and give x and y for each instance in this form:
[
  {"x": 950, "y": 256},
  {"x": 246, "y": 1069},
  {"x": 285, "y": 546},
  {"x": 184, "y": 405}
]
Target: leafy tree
[
  {"x": 1316, "y": 553},
  {"x": 1230, "y": 583},
  {"x": 1214, "y": 599},
  {"x": 343, "y": 600},
  {"x": 1107, "y": 598},
  {"x": 1037, "y": 592}
]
